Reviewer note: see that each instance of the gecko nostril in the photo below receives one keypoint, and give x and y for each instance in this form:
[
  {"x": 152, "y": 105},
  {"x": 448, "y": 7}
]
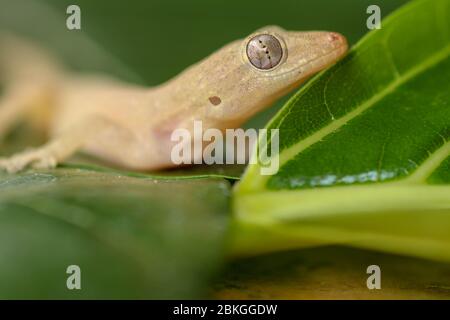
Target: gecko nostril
[{"x": 333, "y": 36}]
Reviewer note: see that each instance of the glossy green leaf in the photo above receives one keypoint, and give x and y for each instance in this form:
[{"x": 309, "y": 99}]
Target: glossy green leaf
[
  {"x": 364, "y": 147},
  {"x": 131, "y": 237}
]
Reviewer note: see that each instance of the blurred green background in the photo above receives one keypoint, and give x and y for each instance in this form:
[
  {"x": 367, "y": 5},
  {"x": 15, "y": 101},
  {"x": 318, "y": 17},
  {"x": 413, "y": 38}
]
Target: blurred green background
[{"x": 149, "y": 41}]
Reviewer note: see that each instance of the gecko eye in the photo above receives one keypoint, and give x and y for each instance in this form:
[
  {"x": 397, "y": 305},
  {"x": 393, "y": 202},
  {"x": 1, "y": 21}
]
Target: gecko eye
[{"x": 264, "y": 51}]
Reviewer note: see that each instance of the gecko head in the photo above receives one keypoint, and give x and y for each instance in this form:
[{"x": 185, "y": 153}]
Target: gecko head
[{"x": 266, "y": 65}]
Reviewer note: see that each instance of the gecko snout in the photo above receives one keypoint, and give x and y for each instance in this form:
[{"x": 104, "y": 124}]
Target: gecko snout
[{"x": 337, "y": 40}]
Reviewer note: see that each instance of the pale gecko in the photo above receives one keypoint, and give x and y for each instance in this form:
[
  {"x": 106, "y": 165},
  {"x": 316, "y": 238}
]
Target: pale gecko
[{"x": 130, "y": 125}]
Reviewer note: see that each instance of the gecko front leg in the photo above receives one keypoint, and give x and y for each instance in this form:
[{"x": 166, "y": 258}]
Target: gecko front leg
[
  {"x": 59, "y": 148},
  {"x": 37, "y": 158}
]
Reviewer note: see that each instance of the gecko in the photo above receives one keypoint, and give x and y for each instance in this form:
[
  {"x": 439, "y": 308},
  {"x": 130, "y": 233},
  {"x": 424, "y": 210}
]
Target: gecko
[{"x": 129, "y": 125}]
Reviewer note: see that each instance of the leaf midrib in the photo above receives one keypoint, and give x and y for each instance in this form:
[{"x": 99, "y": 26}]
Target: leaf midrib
[{"x": 276, "y": 206}]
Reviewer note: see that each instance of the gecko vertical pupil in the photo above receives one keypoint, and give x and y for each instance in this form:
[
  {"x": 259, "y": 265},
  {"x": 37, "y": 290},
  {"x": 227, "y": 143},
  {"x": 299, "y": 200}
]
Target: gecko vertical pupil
[{"x": 264, "y": 51}]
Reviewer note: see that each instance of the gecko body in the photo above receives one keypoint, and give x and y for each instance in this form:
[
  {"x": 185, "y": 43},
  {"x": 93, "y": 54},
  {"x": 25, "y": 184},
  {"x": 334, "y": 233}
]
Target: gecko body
[{"x": 131, "y": 125}]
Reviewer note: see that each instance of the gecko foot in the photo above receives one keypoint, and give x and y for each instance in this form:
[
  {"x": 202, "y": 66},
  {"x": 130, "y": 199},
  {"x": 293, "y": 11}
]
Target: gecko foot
[{"x": 35, "y": 158}]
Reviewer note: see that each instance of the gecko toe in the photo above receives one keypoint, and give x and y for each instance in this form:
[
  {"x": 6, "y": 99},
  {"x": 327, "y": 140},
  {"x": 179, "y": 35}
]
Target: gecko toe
[
  {"x": 46, "y": 162},
  {"x": 30, "y": 158}
]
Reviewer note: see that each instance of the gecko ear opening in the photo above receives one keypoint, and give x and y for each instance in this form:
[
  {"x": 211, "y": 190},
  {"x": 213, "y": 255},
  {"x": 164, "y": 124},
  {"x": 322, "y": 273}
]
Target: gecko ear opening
[{"x": 215, "y": 100}]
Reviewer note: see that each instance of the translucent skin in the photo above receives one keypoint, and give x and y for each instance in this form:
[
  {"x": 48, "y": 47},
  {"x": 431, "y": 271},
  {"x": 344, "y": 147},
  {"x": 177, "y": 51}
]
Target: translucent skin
[{"x": 130, "y": 125}]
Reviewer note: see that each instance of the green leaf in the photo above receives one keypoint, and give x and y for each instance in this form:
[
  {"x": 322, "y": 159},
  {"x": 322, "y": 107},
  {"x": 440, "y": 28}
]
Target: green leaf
[
  {"x": 364, "y": 148},
  {"x": 128, "y": 235}
]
